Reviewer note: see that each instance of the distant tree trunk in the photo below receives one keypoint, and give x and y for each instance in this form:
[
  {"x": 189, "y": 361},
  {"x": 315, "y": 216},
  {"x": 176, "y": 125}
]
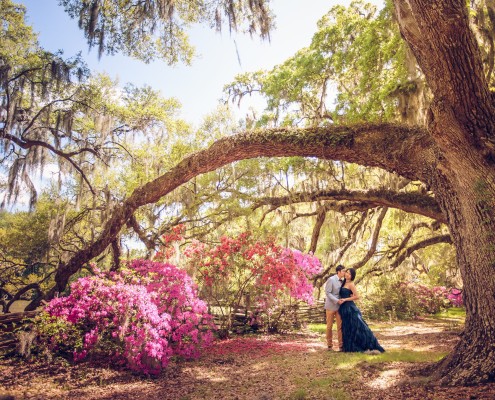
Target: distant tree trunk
[
  {"x": 320, "y": 220},
  {"x": 116, "y": 253}
]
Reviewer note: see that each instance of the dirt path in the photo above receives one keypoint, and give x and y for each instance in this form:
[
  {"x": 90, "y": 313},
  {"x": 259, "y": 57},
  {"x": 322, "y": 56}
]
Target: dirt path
[{"x": 295, "y": 366}]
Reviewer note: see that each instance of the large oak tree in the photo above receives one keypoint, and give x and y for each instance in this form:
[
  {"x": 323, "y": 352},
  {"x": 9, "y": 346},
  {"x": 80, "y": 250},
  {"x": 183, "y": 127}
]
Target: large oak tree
[{"x": 453, "y": 154}]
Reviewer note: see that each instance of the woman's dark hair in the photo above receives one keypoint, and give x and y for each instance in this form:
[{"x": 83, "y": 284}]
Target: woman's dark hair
[{"x": 352, "y": 271}]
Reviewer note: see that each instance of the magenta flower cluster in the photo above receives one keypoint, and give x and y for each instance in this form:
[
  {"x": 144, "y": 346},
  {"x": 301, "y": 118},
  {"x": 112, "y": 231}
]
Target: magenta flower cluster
[
  {"x": 455, "y": 297},
  {"x": 149, "y": 312}
]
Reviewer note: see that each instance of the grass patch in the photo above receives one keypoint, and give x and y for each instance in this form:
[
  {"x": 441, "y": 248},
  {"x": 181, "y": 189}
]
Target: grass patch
[
  {"x": 322, "y": 328},
  {"x": 340, "y": 394},
  {"x": 348, "y": 361},
  {"x": 343, "y": 370},
  {"x": 299, "y": 394},
  {"x": 318, "y": 328},
  {"x": 454, "y": 316},
  {"x": 456, "y": 313},
  {"x": 322, "y": 389},
  {"x": 329, "y": 393},
  {"x": 409, "y": 356}
]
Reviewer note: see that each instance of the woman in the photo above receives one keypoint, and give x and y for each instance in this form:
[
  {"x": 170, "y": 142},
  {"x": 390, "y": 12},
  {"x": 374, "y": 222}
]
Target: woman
[{"x": 355, "y": 331}]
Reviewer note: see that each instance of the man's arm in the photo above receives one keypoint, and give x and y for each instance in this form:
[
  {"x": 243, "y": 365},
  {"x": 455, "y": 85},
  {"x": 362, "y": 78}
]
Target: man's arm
[{"x": 328, "y": 291}]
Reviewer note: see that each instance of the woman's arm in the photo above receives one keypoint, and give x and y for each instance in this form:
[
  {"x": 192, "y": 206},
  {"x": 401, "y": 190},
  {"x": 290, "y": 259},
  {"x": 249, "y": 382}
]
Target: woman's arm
[{"x": 355, "y": 295}]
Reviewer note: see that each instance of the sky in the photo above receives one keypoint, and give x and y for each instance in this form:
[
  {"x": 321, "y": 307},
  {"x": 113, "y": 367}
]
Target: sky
[{"x": 198, "y": 87}]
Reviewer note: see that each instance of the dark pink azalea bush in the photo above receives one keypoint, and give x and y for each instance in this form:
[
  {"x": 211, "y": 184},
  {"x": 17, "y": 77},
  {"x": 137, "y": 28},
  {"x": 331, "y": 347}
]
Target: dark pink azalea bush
[
  {"x": 144, "y": 314},
  {"x": 430, "y": 300},
  {"x": 455, "y": 297}
]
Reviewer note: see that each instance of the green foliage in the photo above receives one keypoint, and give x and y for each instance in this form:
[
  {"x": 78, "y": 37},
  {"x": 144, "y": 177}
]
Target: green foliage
[
  {"x": 26, "y": 240},
  {"x": 24, "y": 235},
  {"x": 157, "y": 29},
  {"x": 55, "y": 336},
  {"x": 393, "y": 299},
  {"x": 356, "y": 56},
  {"x": 35, "y": 87},
  {"x": 54, "y": 112},
  {"x": 17, "y": 39},
  {"x": 367, "y": 55}
]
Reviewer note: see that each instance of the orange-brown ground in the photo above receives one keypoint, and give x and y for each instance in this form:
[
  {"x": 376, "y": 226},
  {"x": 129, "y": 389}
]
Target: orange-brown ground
[{"x": 292, "y": 366}]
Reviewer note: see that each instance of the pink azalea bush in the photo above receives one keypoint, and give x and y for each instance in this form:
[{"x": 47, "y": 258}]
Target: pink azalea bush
[
  {"x": 431, "y": 300},
  {"x": 455, "y": 297},
  {"x": 267, "y": 267},
  {"x": 144, "y": 314}
]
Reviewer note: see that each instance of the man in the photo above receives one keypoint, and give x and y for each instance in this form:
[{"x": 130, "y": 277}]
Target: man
[{"x": 332, "y": 288}]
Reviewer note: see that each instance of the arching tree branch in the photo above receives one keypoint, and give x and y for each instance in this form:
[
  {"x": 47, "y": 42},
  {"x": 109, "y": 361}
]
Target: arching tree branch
[
  {"x": 411, "y": 202},
  {"x": 408, "y": 251},
  {"x": 417, "y": 246},
  {"x": 409, "y": 235},
  {"x": 396, "y": 148}
]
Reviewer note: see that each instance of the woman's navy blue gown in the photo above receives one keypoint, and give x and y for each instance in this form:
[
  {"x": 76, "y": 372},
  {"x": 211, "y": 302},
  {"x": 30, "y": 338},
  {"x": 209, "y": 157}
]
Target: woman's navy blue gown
[{"x": 355, "y": 331}]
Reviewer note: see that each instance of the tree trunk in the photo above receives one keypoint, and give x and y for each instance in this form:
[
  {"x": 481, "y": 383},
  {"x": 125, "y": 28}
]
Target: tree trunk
[
  {"x": 321, "y": 215},
  {"x": 468, "y": 202},
  {"x": 462, "y": 124}
]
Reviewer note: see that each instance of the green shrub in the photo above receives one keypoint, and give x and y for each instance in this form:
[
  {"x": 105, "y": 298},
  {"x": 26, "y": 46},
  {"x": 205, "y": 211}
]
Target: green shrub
[{"x": 396, "y": 300}]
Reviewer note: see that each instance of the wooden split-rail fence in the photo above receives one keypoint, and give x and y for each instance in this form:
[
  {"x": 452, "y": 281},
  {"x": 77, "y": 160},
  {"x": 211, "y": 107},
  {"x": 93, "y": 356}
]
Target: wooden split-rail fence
[
  {"x": 8, "y": 324},
  {"x": 303, "y": 312}
]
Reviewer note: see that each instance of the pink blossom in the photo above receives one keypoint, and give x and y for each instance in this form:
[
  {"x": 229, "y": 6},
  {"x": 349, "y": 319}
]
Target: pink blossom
[{"x": 148, "y": 323}]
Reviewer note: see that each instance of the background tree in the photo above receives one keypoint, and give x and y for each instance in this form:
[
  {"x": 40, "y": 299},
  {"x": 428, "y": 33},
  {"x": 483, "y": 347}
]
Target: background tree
[
  {"x": 56, "y": 117},
  {"x": 357, "y": 53}
]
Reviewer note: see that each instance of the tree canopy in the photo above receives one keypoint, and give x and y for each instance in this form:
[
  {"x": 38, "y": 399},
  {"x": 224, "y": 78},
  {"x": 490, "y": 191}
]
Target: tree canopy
[{"x": 158, "y": 28}]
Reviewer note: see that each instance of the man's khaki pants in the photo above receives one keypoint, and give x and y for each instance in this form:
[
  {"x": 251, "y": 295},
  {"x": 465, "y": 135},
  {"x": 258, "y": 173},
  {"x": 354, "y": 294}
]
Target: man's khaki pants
[{"x": 331, "y": 316}]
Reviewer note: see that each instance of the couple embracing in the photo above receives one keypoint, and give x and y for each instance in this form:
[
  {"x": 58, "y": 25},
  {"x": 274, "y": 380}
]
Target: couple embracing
[{"x": 353, "y": 332}]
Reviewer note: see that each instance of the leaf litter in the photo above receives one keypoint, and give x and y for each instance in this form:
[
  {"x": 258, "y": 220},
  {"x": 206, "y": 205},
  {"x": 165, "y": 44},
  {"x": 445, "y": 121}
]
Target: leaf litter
[{"x": 261, "y": 367}]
